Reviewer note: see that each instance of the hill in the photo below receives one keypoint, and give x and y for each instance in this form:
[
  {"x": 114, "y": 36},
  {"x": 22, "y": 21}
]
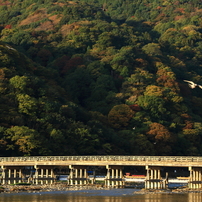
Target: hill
[{"x": 100, "y": 77}]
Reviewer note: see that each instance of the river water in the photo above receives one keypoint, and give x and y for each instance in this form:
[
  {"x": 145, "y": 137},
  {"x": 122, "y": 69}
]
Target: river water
[{"x": 113, "y": 195}]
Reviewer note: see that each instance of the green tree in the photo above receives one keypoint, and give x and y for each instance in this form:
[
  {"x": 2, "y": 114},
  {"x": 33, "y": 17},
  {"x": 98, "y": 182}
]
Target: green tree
[
  {"x": 27, "y": 104},
  {"x": 152, "y": 49},
  {"x": 24, "y": 138},
  {"x": 154, "y": 105}
]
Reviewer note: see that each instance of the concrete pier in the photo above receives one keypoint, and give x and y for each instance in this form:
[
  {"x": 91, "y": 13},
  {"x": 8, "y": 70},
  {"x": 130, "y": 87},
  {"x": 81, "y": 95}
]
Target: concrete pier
[
  {"x": 43, "y": 175},
  {"x": 153, "y": 178},
  {"x": 11, "y": 175},
  {"x": 114, "y": 177},
  {"x": 195, "y": 179},
  {"x": 78, "y": 175}
]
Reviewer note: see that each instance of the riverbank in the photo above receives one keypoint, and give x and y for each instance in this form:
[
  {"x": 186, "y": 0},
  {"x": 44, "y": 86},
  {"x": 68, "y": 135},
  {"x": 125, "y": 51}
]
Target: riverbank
[
  {"x": 45, "y": 188},
  {"x": 176, "y": 190},
  {"x": 66, "y": 187}
]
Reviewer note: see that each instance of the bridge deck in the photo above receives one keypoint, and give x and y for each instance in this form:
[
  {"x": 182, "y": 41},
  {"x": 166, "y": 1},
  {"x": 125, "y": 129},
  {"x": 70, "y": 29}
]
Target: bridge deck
[{"x": 170, "y": 161}]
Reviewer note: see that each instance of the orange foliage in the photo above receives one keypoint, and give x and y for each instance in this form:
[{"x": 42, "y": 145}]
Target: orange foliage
[
  {"x": 55, "y": 19},
  {"x": 181, "y": 10},
  {"x": 179, "y": 17},
  {"x": 37, "y": 16},
  {"x": 159, "y": 132},
  {"x": 160, "y": 17},
  {"x": 120, "y": 115},
  {"x": 186, "y": 116},
  {"x": 141, "y": 62},
  {"x": 67, "y": 28},
  {"x": 167, "y": 78},
  {"x": 188, "y": 125},
  {"x": 158, "y": 7}
]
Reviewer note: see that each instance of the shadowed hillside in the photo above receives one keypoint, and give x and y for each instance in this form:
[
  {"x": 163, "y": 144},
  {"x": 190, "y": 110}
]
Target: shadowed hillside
[{"x": 100, "y": 77}]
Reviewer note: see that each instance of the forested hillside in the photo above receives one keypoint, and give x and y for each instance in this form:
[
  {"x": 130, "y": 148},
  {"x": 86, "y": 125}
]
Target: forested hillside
[{"x": 97, "y": 77}]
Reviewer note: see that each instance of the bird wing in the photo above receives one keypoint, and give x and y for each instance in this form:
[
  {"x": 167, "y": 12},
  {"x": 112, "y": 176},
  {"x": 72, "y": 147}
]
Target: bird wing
[
  {"x": 191, "y": 82},
  {"x": 200, "y": 86}
]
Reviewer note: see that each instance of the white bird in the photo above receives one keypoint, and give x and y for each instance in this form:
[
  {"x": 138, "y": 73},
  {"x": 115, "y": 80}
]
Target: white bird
[
  {"x": 192, "y": 84},
  {"x": 10, "y": 48}
]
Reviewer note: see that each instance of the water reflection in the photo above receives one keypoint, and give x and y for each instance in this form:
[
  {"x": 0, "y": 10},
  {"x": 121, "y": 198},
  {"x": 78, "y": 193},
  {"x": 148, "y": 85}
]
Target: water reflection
[
  {"x": 195, "y": 197},
  {"x": 97, "y": 196}
]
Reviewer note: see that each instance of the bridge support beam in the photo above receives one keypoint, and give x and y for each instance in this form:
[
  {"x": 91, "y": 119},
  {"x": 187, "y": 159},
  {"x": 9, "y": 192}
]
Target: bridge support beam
[
  {"x": 195, "y": 179},
  {"x": 3, "y": 175},
  {"x": 43, "y": 175},
  {"x": 114, "y": 177},
  {"x": 153, "y": 178},
  {"x": 11, "y": 175},
  {"x": 78, "y": 175}
]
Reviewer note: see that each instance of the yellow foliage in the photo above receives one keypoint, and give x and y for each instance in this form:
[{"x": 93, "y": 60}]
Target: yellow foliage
[{"x": 153, "y": 90}]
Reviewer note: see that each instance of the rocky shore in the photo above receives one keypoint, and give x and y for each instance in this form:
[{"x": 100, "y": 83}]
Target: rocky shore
[
  {"x": 178, "y": 190},
  {"x": 45, "y": 188},
  {"x": 66, "y": 187}
]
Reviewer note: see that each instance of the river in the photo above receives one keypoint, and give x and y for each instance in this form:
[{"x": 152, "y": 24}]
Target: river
[{"x": 113, "y": 195}]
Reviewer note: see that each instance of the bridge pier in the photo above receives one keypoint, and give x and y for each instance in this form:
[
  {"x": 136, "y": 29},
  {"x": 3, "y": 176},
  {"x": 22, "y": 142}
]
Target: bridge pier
[
  {"x": 195, "y": 179},
  {"x": 11, "y": 175},
  {"x": 43, "y": 175},
  {"x": 153, "y": 178},
  {"x": 78, "y": 175},
  {"x": 114, "y": 177}
]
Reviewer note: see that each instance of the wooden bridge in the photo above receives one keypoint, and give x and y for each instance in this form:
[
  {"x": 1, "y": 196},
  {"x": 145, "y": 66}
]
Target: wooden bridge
[{"x": 42, "y": 169}]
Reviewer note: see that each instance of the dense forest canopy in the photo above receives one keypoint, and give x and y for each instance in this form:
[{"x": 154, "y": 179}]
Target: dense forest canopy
[{"x": 97, "y": 77}]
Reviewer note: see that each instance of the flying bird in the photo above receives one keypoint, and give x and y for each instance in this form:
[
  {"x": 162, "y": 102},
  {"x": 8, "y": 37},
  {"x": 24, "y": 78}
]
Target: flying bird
[{"x": 192, "y": 84}]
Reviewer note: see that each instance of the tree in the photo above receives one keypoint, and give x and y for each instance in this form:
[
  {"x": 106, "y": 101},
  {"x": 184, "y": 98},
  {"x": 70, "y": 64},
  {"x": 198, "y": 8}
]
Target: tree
[
  {"x": 19, "y": 83},
  {"x": 161, "y": 138},
  {"x": 81, "y": 140},
  {"x": 120, "y": 115},
  {"x": 143, "y": 146},
  {"x": 24, "y": 138},
  {"x": 153, "y": 90},
  {"x": 152, "y": 49},
  {"x": 152, "y": 104},
  {"x": 27, "y": 104}
]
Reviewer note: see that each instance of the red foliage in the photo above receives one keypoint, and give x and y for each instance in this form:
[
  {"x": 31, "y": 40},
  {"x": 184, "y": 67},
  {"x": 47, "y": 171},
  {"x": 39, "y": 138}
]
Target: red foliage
[
  {"x": 73, "y": 62},
  {"x": 180, "y": 10},
  {"x": 120, "y": 77},
  {"x": 189, "y": 125},
  {"x": 61, "y": 62},
  {"x": 4, "y": 4},
  {"x": 8, "y": 27},
  {"x": 158, "y": 7},
  {"x": 162, "y": 79},
  {"x": 135, "y": 107}
]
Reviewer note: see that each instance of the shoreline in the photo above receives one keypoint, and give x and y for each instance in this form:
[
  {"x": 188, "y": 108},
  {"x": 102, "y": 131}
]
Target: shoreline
[
  {"x": 64, "y": 187},
  {"x": 46, "y": 188}
]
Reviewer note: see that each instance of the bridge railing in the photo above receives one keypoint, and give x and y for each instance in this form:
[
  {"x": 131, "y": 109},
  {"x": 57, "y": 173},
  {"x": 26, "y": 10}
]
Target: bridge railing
[{"x": 102, "y": 158}]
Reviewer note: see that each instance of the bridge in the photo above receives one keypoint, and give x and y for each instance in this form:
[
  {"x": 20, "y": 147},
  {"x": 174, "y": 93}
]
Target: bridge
[{"x": 42, "y": 169}]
